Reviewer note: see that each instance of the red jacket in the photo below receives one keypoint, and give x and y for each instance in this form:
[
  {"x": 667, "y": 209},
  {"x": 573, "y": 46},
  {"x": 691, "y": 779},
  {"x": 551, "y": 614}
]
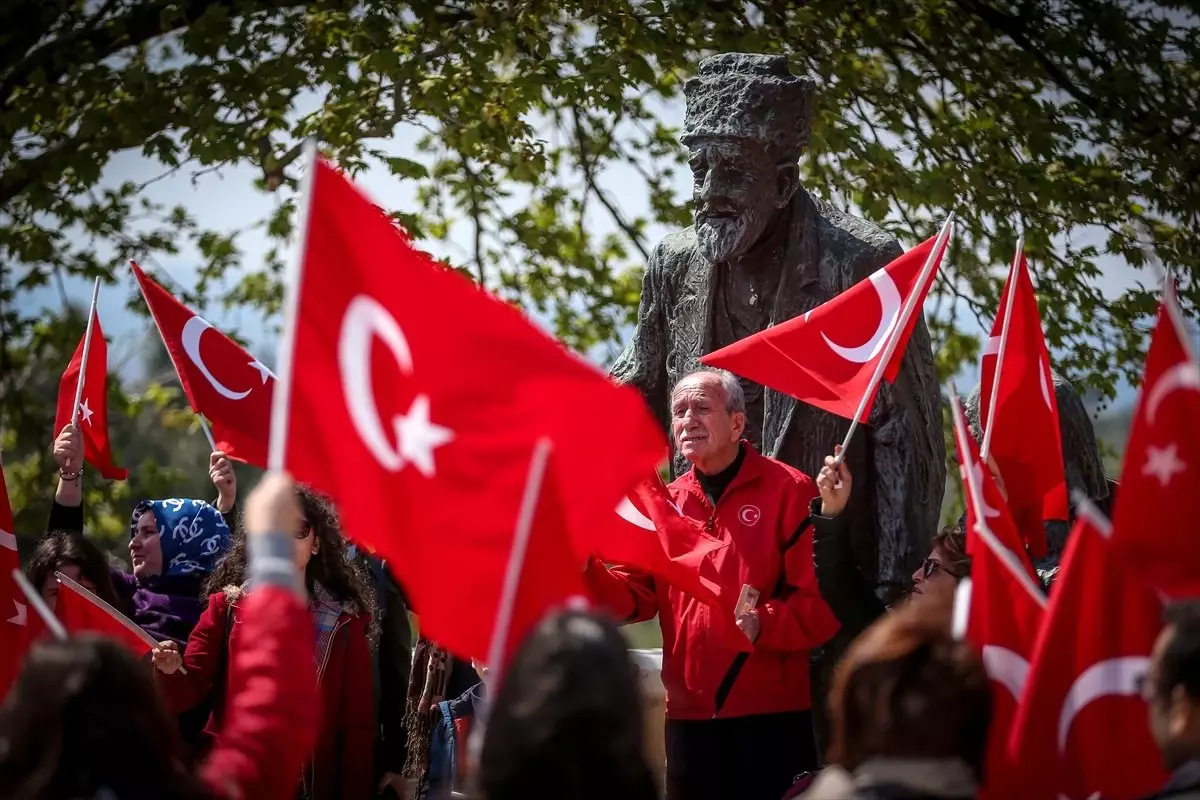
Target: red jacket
[
  {"x": 760, "y": 512},
  {"x": 270, "y": 719},
  {"x": 340, "y": 765}
]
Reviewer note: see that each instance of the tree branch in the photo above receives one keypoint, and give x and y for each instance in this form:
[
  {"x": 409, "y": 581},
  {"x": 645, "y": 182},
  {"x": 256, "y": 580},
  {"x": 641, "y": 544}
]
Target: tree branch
[{"x": 589, "y": 176}]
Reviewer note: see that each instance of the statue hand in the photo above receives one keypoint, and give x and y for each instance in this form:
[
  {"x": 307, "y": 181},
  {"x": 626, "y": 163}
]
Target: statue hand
[{"x": 834, "y": 482}]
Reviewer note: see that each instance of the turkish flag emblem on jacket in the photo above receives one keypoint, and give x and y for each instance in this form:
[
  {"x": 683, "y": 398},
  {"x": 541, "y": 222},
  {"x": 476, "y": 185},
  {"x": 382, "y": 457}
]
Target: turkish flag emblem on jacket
[
  {"x": 1154, "y": 519},
  {"x": 230, "y": 387},
  {"x": 828, "y": 356},
  {"x": 1026, "y": 442},
  {"x": 93, "y": 403},
  {"x": 416, "y": 401}
]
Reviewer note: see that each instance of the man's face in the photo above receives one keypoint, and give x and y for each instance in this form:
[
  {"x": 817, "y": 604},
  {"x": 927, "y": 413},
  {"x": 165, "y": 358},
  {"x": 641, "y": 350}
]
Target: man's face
[
  {"x": 1174, "y": 716},
  {"x": 701, "y": 423},
  {"x": 736, "y": 190}
]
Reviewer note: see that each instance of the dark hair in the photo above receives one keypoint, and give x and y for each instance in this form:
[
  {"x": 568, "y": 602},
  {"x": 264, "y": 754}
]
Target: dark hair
[
  {"x": 1180, "y": 662},
  {"x": 907, "y": 689},
  {"x": 85, "y": 715},
  {"x": 59, "y": 549},
  {"x": 567, "y": 720},
  {"x": 329, "y": 567}
]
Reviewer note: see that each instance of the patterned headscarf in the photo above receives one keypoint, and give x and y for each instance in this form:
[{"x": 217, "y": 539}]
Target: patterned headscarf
[{"x": 193, "y": 534}]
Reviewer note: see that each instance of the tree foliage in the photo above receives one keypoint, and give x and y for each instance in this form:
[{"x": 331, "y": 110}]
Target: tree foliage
[{"x": 1071, "y": 121}]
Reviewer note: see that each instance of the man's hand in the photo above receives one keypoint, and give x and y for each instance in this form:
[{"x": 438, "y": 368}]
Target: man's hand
[
  {"x": 68, "y": 449},
  {"x": 749, "y": 624},
  {"x": 272, "y": 507},
  {"x": 220, "y": 471},
  {"x": 834, "y": 482},
  {"x": 166, "y": 658}
]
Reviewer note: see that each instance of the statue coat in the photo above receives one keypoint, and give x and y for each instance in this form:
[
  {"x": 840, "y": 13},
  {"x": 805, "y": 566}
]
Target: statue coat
[{"x": 898, "y": 460}]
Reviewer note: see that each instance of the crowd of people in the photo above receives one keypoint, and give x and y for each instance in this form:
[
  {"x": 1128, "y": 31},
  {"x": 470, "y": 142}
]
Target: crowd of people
[{"x": 286, "y": 667}]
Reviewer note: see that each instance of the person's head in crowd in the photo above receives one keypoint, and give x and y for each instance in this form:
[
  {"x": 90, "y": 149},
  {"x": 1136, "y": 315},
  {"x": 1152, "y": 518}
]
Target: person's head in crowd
[
  {"x": 566, "y": 719},
  {"x": 75, "y": 557},
  {"x": 176, "y": 537},
  {"x": 319, "y": 552},
  {"x": 708, "y": 417},
  {"x": 906, "y": 689},
  {"x": 1172, "y": 686},
  {"x": 85, "y": 716},
  {"x": 947, "y": 563}
]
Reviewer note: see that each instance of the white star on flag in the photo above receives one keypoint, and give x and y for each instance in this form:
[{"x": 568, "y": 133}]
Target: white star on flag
[
  {"x": 1163, "y": 463},
  {"x": 21, "y": 615},
  {"x": 87, "y": 412},
  {"x": 263, "y": 372},
  {"x": 418, "y": 436}
]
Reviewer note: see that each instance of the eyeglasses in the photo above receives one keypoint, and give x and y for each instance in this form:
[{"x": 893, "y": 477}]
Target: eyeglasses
[
  {"x": 305, "y": 530},
  {"x": 932, "y": 565}
]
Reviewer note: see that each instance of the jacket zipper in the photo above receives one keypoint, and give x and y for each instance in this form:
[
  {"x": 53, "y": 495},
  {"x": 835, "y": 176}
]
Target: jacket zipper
[
  {"x": 312, "y": 761},
  {"x": 730, "y": 674}
]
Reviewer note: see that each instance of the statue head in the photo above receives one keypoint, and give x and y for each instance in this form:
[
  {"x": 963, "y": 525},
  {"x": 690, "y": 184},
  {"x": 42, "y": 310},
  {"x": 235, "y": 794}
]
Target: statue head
[{"x": 748, "y": 121}]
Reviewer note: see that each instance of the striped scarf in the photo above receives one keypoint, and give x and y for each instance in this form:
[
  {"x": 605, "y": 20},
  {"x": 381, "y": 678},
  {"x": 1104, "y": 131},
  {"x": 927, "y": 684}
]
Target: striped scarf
[{"x": 326, "y": 609}]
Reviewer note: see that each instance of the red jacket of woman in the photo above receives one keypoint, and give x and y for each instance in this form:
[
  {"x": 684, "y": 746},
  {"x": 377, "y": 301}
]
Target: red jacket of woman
[{"x": 340, "y": 767}]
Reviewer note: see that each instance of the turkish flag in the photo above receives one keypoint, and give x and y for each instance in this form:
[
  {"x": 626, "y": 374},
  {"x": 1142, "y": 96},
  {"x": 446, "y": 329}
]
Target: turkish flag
[
  {"x": 13, "y": 612},
  {"x": 651, "y": 535},
  {"x": 81, "y": 611},
  {"x": 995, "y": 510},
  {"x": 1025, "y": 442},
  {"x": 1154, "y": 519},
  {"x": 1006, "y": 610},
  {"x": 414, "y": 400},
  {"x": 93, "y": 403},
  {"x": 1081, "y": 723},
  {"x": 229, "y": 387},
  {"x": 828, "y": 357}
]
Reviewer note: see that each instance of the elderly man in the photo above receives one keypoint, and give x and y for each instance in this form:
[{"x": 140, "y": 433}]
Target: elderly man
[
  {"x": 763, "y": 251},
  {"x": 739, "y": 720}
]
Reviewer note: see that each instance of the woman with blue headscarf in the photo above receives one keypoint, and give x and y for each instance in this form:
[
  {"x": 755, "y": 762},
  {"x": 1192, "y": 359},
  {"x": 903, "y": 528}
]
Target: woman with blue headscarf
[{"x": 173, "y": 544}]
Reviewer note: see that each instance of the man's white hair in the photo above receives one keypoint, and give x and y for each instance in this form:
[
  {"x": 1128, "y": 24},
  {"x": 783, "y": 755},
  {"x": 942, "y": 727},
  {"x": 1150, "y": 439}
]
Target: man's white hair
[{"x": 735, "y": 398}]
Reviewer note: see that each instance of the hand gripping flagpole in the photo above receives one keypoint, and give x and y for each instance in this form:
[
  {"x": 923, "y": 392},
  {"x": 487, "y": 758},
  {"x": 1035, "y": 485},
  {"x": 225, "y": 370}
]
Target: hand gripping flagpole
[
  {"x": 906, "y": 312},
  {"x": 87, "y": 346},
  {"x": 985, "y": 449}
]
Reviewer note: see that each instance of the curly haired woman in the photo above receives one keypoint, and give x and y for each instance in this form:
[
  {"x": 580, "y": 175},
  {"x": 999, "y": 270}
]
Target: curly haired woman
[{"x": 342, "y": 607}]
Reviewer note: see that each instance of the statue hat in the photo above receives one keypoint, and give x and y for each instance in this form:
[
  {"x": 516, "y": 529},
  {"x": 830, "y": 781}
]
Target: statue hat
[{"x": 749, "y": 96}]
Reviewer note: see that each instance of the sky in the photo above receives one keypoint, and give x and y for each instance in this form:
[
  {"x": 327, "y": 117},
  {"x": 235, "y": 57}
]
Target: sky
[{"x": 226, "y": 200}]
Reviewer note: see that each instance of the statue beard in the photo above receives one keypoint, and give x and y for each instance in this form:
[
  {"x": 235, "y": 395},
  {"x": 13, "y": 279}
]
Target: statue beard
[{"x": 722, "y": 239}]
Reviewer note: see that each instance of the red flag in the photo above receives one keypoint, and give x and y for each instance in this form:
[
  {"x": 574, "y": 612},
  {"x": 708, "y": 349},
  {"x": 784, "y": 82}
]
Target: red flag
[
  {"x": 93, "y": 403},
  {"x": 13, "y": 613},
  {"x": 651, "y": 535},
  {"x": 1081, "y": 723},
  {"x": 827, "y": 357},
  {"x": 414, "y": 400},
  {"x": 1154, "y": 519},
  {"x": 1024, "y": 438},
  {"x": 80, "y": 611},
  {"x": 230, "y": 387},
  {"x": 995, "y": 510},
  {"x": 1004, "y": 616}
]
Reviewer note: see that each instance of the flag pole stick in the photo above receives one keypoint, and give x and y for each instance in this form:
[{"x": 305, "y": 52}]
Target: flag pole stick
[
  {"x": 985, "y": 450},
  {"x": 39, "y": 605},
  {"x": 277, "y": 443},
  {"x": 526, "y": 517},
  {"x": 910, "y": 304},
  {"x": 207, "y": 432},
  {"x": 87, "y": 346}
]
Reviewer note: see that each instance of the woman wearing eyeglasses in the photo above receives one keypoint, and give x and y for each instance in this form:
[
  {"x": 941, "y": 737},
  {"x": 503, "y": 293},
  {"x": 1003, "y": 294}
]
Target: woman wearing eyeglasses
[{"x": 342, "y": 609}]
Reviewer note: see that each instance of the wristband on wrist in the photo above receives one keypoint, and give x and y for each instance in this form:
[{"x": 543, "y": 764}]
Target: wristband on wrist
[{"x": 71, "y": 476}]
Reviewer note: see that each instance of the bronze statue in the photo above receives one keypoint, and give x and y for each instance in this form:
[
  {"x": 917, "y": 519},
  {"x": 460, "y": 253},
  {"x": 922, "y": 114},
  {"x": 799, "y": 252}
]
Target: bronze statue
[
  {"x": 1081, "y": 461},
  {"x": 763, "y": 250}
]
